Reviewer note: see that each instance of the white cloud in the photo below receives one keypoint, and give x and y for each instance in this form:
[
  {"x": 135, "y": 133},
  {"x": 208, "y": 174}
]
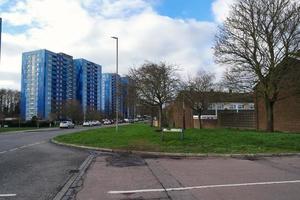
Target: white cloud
[
  {"x": 221, "y": 9},
  {"x": 83, "y": 29},
  {"x": 7, "y": 84}
]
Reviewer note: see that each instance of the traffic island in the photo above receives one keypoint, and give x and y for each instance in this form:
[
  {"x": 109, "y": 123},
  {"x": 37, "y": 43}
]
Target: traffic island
[{"x": 144, "y": 140}]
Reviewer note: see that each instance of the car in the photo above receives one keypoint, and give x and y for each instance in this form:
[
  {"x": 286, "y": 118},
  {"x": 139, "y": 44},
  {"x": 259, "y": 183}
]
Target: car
[
  {"x": 66, "y": 124},
  {"x": 107, "y": 122},
  {"x": 97, "y": 123},
  {"x": 88, "y": 123}
]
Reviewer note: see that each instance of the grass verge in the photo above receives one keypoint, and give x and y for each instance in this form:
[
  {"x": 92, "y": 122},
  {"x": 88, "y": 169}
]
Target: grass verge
[{"x": 144, "y": 138}]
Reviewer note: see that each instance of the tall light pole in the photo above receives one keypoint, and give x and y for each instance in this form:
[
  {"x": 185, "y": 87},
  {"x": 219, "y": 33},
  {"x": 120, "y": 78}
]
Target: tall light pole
[{"x": 117, "y": 84}]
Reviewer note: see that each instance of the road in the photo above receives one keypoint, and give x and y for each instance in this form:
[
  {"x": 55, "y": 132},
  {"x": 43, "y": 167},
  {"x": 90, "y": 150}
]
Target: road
[
  {"x": 33, "y": 168},
  {"x": 118, "y": 176}
]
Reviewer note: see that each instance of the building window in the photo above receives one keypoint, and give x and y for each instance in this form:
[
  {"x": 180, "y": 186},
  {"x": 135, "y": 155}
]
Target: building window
[
  {"x": 220, "y": 106},
  {"x": 232, "y": 107},
  {"x": 241, "y": 107}
]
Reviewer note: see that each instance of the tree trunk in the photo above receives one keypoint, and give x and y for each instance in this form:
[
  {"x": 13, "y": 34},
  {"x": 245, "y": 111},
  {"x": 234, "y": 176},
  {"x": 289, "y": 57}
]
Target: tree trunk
[
  {"x": 199, "y": 119},
  {"x": 160, "y": 117},
  {"x": 152, "y": 116},
  {"x": 270, "y": 114}
]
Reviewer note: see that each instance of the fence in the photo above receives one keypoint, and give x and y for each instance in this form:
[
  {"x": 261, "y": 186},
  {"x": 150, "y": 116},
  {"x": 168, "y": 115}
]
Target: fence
[{"x": 244, "y": 119}]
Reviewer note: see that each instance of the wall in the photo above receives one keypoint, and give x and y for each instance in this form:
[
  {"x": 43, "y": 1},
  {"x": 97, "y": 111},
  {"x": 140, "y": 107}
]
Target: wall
[
  {"x": 175, "y": 116},
  {"x": 206, "y": 123},
  {"x": 245, "y": 119},
  {"x": 286, "y": 114}
]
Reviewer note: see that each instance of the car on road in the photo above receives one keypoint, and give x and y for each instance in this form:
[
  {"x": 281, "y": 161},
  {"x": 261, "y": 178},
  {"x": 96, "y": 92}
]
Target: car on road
[
  {"x": 66, "y": 124},
  {"x": 107, "y": 122},
  {"x": 91, "y": 123},
  {"x": 97, "y": 123},
  {"x": 88, "y": 123}
]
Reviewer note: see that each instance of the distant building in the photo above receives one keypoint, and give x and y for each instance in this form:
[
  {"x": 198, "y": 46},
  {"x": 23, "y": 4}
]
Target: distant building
[
  {"x": 48, "y": 80},
  {"x": 224, "y": 110},
  {"x": 128, "y": 97},
  {"x": 109, "y": 96},
  {"x": 88, "y": 87},
  {"x": 230, "y": 102}
]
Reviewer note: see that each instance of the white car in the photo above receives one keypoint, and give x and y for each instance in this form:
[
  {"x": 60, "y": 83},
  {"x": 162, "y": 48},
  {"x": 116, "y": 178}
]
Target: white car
[
  {"x": 107, "y": 122},
  {"x": 87, "y": 124},
  {"x": 97, "y": 123},
  {"x": 66, "y": 124}
]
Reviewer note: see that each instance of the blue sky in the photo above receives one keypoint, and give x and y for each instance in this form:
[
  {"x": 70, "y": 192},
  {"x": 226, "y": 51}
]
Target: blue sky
[
  {"x": 179, "y": 32},
  {"x": 197, "y": 9}
]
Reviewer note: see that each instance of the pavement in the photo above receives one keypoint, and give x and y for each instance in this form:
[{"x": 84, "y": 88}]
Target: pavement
[
  {"x": 33, "y": 168},
  {"x": 126, "y": 176}
]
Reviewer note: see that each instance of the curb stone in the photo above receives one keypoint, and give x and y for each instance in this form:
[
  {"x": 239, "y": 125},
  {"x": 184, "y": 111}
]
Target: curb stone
[{"x": 177, "y": 155}]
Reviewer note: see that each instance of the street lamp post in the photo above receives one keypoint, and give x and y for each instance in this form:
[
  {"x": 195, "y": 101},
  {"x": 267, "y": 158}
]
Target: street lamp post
[{"x": 117, "y": 84}]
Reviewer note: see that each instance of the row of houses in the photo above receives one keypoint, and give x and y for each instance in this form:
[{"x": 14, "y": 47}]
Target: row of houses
[
  {"x": 247, "y": 110},
  {"x": 51, "y": 79},
  {"x": 233, "y": 110}
]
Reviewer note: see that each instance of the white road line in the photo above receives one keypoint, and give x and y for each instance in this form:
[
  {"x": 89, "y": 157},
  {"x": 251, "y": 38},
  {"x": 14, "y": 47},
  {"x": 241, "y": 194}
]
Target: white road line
[
  {"x": 201, "y": 187},
  {"x": 22, "y": 147},
  {"x": 8, "y": 195}
]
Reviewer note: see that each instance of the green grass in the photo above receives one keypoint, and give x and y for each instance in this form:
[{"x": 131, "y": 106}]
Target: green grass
[
  {"x": 4, "y": 130},
  {"x": 144, "y": 138}
]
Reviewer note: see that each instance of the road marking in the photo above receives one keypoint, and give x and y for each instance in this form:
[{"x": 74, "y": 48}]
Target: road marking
[
  {"x": 22, "y": 147},
  {"x": 201, "y": 187},
  {"x": 8, "y": 195}
]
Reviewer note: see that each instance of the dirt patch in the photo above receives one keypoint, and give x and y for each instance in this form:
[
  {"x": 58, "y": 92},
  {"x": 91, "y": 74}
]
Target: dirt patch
[{"x": 124, "y": 160}]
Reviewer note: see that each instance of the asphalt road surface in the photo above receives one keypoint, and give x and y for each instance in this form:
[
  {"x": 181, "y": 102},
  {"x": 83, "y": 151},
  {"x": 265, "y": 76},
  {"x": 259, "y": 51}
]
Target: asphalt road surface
[
  {"x": 121, "y": 177},
  {"x": 33, "y": 168}
]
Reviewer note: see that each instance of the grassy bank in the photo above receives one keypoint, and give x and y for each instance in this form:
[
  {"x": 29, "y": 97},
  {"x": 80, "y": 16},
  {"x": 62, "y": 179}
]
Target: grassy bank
[{"x": 144, "y": 138}]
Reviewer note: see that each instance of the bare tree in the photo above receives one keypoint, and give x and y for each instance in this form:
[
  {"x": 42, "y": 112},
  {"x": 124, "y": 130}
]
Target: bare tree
[
  {"x": 196, "y": 92},
  {"x": 72, "y": 110},
  {"x": 93, "y": 114},
  {"x": 52, "y": 117},
  {"x": 254, "y": 40},
  {"x": 156, "y": 85},
  {"x": 9, "y": 102}
]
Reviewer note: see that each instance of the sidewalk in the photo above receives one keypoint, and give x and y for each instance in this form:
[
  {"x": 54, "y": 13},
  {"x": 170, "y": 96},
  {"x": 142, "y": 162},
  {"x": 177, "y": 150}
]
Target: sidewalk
[{"x": 111, "y": 176}]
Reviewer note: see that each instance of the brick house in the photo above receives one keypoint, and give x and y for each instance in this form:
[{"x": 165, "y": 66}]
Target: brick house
[
  {"x": 287, "y": 108},
  {"x": 222, "y": 104}
]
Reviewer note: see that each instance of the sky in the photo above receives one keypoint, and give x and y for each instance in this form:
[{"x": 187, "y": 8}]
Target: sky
[{"x": 179, "y": 32}]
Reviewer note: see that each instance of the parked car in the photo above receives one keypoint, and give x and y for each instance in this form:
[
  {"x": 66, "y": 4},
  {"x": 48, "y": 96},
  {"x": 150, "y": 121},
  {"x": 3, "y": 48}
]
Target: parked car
[
  {"x": 66, "y": 124},
  {"x": 97, "y": 123},
  {"x": 88, "y": 123},
  {"x": 107, "y": 122}
]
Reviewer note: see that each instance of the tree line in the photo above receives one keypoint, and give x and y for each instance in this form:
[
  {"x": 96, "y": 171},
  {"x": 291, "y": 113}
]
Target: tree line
[{"x": 9, "y": 103}]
